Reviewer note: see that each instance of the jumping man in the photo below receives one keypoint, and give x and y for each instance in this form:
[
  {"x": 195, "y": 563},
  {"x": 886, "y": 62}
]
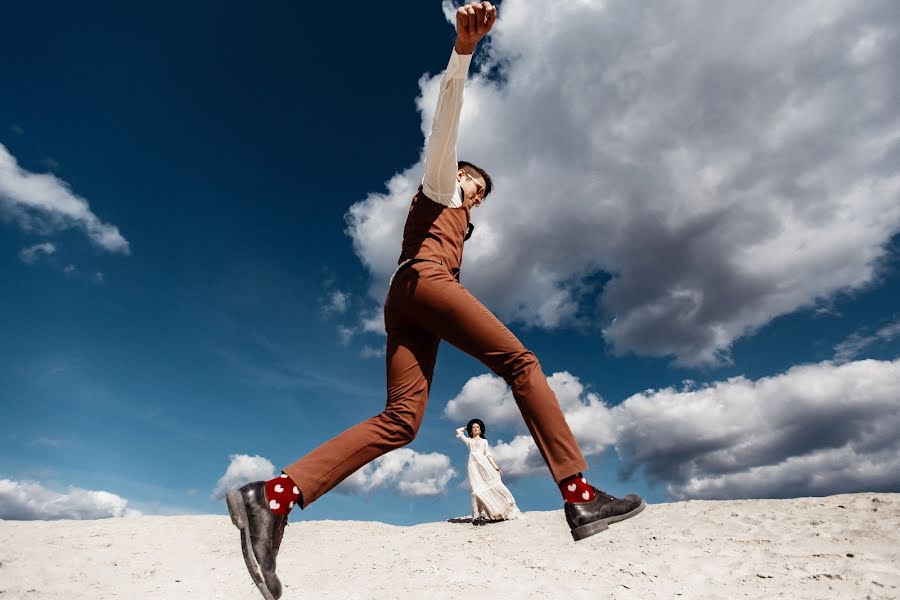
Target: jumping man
[{"x": 426, "y": 304}]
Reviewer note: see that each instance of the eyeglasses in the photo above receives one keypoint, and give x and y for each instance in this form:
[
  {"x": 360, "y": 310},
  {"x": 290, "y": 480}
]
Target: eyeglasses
[{"x": 479, "y": 189}]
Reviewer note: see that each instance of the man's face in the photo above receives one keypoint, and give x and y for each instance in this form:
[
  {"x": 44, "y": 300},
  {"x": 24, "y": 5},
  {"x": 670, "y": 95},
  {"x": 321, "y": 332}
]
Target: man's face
[{"x": 472, "y": 188}]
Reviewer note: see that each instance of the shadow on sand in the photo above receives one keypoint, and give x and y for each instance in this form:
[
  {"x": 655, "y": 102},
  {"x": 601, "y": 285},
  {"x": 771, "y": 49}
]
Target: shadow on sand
[{"x": 471, "y": 521}]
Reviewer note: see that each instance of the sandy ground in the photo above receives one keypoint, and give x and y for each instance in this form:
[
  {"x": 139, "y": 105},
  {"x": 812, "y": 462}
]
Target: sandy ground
[{"x": 837, "y": 547}]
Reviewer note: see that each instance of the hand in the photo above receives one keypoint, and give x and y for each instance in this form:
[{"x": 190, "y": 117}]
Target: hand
[{"x": 473, "y": 22}]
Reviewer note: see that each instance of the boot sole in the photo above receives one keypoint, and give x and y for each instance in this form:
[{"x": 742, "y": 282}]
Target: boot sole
[
  {"x": 585, "y": 531},
  {"x": 238, "y": 513}
]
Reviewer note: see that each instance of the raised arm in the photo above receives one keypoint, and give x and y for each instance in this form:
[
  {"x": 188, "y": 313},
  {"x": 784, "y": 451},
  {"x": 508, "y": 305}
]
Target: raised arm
[
  {"x": 473, "y": 22},
  {"x": 462, "y": 436}
]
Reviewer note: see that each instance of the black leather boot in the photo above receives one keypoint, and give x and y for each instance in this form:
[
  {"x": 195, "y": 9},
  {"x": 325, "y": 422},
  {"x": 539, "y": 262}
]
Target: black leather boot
[
  {"x": 588, "y": 518},
  {"x": 261, "y": 534}
]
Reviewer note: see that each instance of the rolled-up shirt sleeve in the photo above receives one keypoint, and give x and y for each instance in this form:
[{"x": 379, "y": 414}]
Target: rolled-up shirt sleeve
[{"x": 439, "y": 182}]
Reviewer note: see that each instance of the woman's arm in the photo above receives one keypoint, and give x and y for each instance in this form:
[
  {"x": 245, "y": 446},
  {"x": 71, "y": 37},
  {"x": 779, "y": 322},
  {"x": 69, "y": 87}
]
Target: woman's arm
[
  {"x": 490, "y": 456},
  {"x": 461, "y": 435}
]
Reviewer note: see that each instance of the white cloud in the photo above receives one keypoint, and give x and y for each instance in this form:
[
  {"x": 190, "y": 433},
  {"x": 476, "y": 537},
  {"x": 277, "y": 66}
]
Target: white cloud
[
  {"x": 369, "y": 322},
  {"x": 488, "y": 398},
  {"x": 28, "y": 500},
  {"x": 854, "y": 345},
  {"x": 372, "y": 352},
  {"x": 345, "y": 334},
  {"x": 723, "y": 163},
  {"x": 336, "y": 302},
  {"x": 518, "y": 457},
  {"x": 30, "y": 254},
  {"x": 405, "y": 471},
  {"x": 814, "y": 430},
  {"x": 372, "y": 322},
  {"x": 241, "y": 470},
  {"x": 484, "y": 397},
  {"x": 43, "y": 203}
]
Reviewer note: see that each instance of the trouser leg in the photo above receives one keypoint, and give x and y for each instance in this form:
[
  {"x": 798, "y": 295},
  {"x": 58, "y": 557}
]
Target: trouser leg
[
  {"x": 410, "y": 358},
  {"x": 435, "y": 301}
]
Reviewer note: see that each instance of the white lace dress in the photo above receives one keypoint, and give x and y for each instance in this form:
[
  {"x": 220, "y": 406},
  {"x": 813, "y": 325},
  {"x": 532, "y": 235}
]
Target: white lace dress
[{"x": 490, "y": 498}]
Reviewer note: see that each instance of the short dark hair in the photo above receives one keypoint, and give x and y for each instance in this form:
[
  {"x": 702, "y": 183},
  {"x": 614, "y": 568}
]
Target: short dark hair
[
  {"x": 480, "y": 424},
  {"x": 476, "y": 170}
]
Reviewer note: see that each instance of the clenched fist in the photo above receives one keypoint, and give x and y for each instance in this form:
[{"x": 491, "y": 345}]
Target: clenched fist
[{"x": 473, "y": 22}]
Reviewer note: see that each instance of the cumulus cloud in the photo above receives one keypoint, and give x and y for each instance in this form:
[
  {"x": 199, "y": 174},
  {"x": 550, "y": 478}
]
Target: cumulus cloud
[
  {"x": 372, "y": 322},
  {"x": 518, "y": 457},
  {"x": 43, "y": 203},
  {"x": 487, "y": 397},
  {"x": 335, "y": 303},
  {"x": 345, "y": 334},
  {"x": 405, "y": 471},
  {"x": 721, "y": 163},
  {"x": 367, "y": 322},
  {"x": 813, "y": 430},
  {"x": 816, "y": 429},
  {"x": 242, "y": 470},
  {"x": 856, "y": 343},
  {"x": 372, "y": 352},
  {"x": 29, "y": 500},
  {"x": 30, "y": 254}
]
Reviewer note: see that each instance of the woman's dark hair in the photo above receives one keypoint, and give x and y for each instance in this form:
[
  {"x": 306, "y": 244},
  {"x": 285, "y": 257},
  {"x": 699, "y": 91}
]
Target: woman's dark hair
[
  {"x": 474, "y": 170},
  {"x": 480, "y": 424}
]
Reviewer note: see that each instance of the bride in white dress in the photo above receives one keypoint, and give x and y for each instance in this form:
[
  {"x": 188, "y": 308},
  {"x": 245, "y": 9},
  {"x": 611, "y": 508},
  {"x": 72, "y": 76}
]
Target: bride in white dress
[{"x": 491, "y": 500}]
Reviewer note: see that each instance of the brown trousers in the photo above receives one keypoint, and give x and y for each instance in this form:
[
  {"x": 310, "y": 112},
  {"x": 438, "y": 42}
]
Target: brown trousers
[{"x": 425, "y": 305}]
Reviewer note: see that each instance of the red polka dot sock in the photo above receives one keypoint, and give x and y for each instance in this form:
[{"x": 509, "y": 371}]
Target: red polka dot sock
[
  {"x": 281, "y": 494},
  {"x": 576, "y": 489}
]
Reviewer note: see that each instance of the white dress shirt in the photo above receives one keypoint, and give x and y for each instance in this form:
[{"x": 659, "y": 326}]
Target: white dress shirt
[{"x": 439, "y": 182}]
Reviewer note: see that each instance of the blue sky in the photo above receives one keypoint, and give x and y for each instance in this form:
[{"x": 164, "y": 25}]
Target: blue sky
[{"x": 200, "y": 207}]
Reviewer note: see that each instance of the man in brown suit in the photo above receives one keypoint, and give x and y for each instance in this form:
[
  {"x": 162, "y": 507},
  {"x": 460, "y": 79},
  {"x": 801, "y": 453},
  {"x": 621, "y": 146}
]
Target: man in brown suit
[{"x": 426, "y": 304}]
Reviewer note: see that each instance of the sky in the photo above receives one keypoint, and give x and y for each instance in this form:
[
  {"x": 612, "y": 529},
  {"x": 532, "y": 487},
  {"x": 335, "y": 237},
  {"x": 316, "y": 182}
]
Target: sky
[{"x": 695, "y": 227}]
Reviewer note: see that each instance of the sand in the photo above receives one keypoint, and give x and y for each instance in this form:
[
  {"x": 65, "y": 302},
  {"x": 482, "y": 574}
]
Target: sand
[{"x": 844, "y": 546}]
